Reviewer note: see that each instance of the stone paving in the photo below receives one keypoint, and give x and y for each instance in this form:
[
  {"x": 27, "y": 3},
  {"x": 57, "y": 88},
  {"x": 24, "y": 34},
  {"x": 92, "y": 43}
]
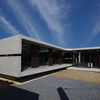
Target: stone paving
[{"x": 52, "y": 88}]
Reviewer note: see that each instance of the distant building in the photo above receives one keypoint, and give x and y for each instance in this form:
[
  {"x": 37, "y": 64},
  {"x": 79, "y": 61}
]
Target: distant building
[{"x": 21, "y": 56}]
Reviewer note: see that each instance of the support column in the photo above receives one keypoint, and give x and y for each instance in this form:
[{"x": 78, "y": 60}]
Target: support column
[
  {"x": 79, "y": 58},
  {"x": 76, "y": 60},
  {"x": 99, "y": 61},
  {"x": 56, "y": 58},
  {"x": 50, "y": 57},
  {"x": 95, "y": 60},
  {"x": 73, "y": 58},
  {"x": 34, "y": 56},
  {"x": 90, "y": 61},
  {"x": 59, "y": 57},
  {"x": 43, "y": 59},
  {"x": 83, "y": 57}
]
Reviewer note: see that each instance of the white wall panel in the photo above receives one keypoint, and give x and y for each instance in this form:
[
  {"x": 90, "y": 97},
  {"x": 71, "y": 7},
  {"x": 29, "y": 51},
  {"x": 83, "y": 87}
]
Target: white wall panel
[
  {"x": 10, "y": 65},
  {"x": 10, "y": 45}
]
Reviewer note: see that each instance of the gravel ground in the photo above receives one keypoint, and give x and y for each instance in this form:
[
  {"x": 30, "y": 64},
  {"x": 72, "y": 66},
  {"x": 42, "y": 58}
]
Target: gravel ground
[
  {"x": 53, "y": 88},
  {"x": 87, "y": 76}
]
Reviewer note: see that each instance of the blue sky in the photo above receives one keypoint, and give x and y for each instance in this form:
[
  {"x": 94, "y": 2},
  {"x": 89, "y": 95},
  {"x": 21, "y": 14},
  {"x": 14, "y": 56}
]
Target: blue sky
[{"x": 65, "y": 23}]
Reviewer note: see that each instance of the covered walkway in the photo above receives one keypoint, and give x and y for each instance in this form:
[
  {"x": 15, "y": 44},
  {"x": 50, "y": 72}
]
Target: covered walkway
[
  {"x": 41, "y": 69},
  {"x": 85, "y": 69}
]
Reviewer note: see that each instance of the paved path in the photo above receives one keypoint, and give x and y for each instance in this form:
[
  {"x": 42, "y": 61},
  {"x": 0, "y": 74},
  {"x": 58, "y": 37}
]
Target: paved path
[
  {"x": 53, "y": 88},
  {"x": 32, "y": 71},
  {"x": 85, "y": 69}
]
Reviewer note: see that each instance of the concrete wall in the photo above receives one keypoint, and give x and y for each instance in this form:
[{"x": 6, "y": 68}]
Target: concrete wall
[
  {"x": 10, "y": 65},
  {"x": 10, "y": 45}
]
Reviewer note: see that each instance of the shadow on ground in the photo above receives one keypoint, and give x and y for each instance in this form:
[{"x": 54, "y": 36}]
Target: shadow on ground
[
  {"x": 21, "y": 94},
  {"x": 30, "y": 77},
  {"x": 14, "y": 93},
  {"x": 4, "y": 84},
  {"x": 62, "y": 94}
]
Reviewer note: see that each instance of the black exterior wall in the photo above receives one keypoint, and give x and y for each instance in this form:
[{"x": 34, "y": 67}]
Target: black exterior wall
[{"x": 34, "y": 55}]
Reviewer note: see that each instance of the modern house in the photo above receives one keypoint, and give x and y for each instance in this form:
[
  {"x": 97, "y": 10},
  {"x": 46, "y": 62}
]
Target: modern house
[{"x": 22, "y": 56}]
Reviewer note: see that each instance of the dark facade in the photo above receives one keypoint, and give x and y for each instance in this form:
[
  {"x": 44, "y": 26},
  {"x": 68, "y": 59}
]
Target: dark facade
[
  {"x": 36, "y": 55},
  {"x": 88, "y": 58}
]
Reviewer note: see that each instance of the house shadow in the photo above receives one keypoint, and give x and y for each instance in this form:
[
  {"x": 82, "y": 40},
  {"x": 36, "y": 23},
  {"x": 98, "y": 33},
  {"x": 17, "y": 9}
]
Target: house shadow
[
  {"x": 14, "y": 93},
  {"x": 62, "y": 94},
  {"x": 4, "y": 84}
]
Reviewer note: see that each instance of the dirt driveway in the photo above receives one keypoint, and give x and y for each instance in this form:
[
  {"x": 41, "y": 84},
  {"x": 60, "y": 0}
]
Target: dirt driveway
[{"x": 86, "y": 76}]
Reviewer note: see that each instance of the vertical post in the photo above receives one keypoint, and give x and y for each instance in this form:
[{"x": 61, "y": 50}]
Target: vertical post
[
  {"x": 50, "y": 57},
  {"x": 90, "y": 60},
  {"x": 79, "y": 58},
  {"x": 43, "y": 59},
  {"x": 73, "y": 58},
  {"x": 34, "y": 56},
  {"x": 76, "y": 58},
  {"x": 82, "y": 57},
  {"x": 59, "y": 57},
  {"x": 95, "y": 60},
  {"x": 56, "y": 57},
  {"x": 99, "y": 60}
]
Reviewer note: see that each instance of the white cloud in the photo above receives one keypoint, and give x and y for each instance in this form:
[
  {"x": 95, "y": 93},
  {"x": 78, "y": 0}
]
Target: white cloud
[
  {"x": 53, "y": 12},
  {"x": 95, "y": 32},
  {"x": 96, "y": 29},
  {"x": 7, "y": 26},
  {"x": 23, "y": 17}
]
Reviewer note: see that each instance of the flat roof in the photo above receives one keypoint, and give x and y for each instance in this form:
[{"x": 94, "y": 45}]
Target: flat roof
[
  {"x": 88, "y": 48},
  {"x": 51, "y": 45},
  {"x": 42, "y": 43},
  {"x": 57, "y": 47}
]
